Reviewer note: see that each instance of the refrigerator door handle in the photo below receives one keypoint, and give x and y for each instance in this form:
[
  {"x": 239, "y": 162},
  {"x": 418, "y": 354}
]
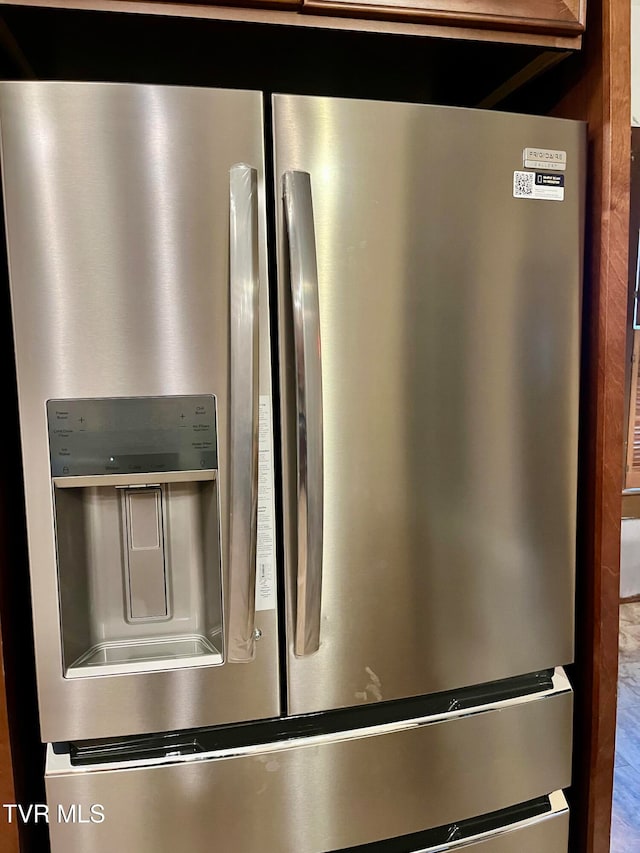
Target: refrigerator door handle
[
  {"x": 244, "y": 368},
  {"x": 303, "y": 272}
]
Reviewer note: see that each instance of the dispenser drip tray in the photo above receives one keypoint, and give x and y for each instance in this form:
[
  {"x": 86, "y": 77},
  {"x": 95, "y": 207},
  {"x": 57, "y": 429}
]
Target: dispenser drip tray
[{"x": 145, "y": 655}]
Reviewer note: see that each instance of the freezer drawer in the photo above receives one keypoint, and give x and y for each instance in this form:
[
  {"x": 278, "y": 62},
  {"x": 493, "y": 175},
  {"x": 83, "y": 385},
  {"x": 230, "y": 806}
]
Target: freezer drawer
[
  {"x": 547, "y": 833},
  {"x": 330, "y": 791},
  {"x": 541, "y": 826}
]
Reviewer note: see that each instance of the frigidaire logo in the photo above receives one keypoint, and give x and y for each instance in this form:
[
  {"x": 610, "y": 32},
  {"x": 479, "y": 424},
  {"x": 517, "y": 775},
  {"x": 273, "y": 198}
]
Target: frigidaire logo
[
  {"x": 41, "y": 813},
  {"x": 545, "y": 155}
]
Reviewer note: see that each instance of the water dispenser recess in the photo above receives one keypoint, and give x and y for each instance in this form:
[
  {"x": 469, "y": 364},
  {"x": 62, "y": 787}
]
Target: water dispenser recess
[{"x": 137, "y": 522}]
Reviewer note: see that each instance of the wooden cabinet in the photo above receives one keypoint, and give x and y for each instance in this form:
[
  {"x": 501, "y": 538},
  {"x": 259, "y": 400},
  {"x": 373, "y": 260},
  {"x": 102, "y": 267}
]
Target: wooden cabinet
[
  {"x": 554, "y": 24},
  {"x": 553, "y": 17}
]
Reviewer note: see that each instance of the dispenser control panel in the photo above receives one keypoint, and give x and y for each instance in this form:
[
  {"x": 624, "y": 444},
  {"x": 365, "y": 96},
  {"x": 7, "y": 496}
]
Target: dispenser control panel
[{"x": 131, "y": 435}]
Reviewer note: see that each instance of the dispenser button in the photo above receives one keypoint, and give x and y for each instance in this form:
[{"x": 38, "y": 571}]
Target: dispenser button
[
  {"x": 145, "y": 554},
  {"x": 144, "y": 519}
]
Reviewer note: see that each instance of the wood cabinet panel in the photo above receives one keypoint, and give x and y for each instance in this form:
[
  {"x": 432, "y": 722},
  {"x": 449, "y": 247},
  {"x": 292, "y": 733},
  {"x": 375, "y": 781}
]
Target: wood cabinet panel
[
  {"x": 600, "y": 94},
  {"x": 284, "y": 5},
  {"x": 291, "y": 13},
  {"x": 560, "y": 17},
  {"x": 9, "y": 842}
]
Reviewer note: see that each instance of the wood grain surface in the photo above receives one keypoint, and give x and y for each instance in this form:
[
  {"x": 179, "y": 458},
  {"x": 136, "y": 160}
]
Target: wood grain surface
[
  {"x": 9, "y": 841},
  {"x": 546, "y": 16},
  {"x": 287, "y": 16},
  {"x": 632, "y": 417},
  {"x": 601, "y": 96}
]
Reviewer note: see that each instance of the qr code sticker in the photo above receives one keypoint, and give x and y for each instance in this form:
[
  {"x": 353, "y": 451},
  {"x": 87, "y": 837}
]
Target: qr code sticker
[{"x": 523, "y": 183}]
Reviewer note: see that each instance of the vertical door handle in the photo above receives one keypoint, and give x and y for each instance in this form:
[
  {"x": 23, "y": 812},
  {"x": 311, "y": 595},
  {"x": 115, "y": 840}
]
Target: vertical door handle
[
  {"x": 298, "y": 209},
  {"x": 244, "y": 381}
]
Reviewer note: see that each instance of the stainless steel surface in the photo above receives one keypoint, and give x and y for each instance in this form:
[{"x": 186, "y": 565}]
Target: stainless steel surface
[
  {"x": 449, "y": 319},
  {"x": 325, "y": 792},
  {"x": 307, "y": 367},
  {"x": 117, "y": 218},
  {"x": 243, "y": 455}
]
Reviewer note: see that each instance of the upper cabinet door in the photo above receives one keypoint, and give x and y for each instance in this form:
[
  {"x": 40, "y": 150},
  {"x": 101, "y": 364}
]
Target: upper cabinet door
[{"x": 556, "y": 17}]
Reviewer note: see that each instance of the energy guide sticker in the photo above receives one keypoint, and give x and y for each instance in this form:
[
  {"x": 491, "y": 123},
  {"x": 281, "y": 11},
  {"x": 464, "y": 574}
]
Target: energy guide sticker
[{"x": 538, "y": 185}]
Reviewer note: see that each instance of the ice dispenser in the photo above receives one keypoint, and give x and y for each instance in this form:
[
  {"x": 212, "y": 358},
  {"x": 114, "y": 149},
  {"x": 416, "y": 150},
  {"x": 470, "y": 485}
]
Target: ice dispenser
[{"x": 136, "y": 503}]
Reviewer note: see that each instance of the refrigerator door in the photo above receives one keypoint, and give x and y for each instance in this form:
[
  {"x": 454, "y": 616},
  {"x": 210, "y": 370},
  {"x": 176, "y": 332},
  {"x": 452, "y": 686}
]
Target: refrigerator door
[
  {"x": 135, "y": 221},
  {"x": 429, "y": 325},
  {"x": 463, "y": 777}
]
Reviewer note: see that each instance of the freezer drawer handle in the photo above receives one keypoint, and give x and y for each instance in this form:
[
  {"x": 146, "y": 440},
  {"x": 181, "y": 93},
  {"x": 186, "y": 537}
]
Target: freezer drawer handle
[
  {"x": 243, "y": 297},
  {"x": 303, "y": 272}
]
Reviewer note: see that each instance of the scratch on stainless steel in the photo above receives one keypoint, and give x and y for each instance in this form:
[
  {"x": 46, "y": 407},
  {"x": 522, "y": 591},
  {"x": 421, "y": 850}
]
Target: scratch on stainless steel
[
  {"x": 303, "y": 273},
  {"x": 309, "y": 797},
  {"x": 243, "y": 451},
  {"x": 117, "y": 217},
  {"x": 449, "y": 318}
]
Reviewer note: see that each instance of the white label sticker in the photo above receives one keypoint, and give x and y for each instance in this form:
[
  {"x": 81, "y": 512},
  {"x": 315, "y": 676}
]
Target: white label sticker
[
  {"x": 544, "y": 158},
  {"x": 265, "y": 561},
  {"x": 535, "y": 185}
]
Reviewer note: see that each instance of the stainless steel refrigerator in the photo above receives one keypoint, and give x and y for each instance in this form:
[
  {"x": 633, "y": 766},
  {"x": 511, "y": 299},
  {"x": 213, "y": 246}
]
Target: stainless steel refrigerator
[{"x": 302, "y": 562}]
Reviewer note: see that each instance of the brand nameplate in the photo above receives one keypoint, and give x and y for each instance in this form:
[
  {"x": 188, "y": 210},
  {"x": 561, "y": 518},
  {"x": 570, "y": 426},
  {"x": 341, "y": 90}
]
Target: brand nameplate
[{"x": 544, "y": 158}]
